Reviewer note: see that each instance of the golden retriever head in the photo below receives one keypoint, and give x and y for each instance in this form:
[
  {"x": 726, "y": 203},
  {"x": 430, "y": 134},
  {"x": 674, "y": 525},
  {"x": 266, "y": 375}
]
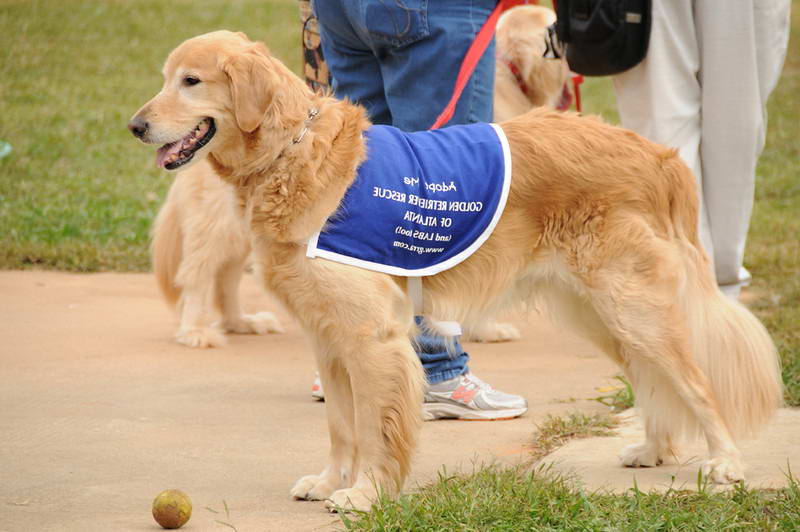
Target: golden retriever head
[
  {"x": 220, "y": 89},
  {"x": 521, "y": 35}
]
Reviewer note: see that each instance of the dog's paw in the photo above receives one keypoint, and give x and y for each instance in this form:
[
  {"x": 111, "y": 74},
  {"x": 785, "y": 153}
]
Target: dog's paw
[
  {"x": 493, "y": 331},
  {"x": 723, "y": 470},
  {"x": 260, "y": 323},
  {"x": 640, "y": 455},
  {"x": 313, "y": 488},
  {"x": 348, "y": 499},
  {"x": 201, "y": 337}
]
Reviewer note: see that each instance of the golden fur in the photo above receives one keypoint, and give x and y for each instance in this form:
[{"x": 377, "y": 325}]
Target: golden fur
[{"x": 600, "y": 224}]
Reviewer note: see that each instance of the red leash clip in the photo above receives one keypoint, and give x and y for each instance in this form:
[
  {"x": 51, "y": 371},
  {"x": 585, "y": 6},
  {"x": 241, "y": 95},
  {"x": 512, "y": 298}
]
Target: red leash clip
[{"x": 471, "y": 59}]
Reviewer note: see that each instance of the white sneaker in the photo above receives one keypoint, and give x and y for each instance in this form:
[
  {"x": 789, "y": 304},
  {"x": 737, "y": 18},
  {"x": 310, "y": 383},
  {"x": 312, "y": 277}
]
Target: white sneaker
[
  {"x": 316, "y": 389},
  {"x": 468, "y": 397}
]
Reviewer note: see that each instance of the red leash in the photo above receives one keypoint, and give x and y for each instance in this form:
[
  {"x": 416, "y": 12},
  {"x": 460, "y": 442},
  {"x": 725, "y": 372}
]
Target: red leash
[{"x": 474, "y": 55}]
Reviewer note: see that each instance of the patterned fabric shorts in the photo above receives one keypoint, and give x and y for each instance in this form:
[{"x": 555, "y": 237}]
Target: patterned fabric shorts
[{"x": 315, "y": 70}]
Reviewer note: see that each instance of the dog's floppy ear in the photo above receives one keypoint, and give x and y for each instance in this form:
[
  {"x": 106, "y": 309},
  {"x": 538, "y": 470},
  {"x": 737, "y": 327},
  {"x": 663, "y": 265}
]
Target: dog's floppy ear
[{"x": 252, "y": 84}]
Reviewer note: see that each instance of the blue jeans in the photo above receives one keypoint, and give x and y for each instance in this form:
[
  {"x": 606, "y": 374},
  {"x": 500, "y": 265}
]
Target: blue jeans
[
  {"x": 440, "y": 365},
  {"x": 399, "y": 59}
]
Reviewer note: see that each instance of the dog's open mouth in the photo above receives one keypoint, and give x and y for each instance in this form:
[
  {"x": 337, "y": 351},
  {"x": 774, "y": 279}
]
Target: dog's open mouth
[{"x": 180, "y": 152}]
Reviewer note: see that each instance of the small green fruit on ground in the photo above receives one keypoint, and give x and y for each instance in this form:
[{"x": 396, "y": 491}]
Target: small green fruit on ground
[{"x": 172, "y": 508}]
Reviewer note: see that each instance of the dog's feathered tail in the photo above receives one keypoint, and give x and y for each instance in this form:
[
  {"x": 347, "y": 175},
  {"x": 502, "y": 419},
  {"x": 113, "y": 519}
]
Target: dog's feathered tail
[
  {"x": 729, "y": 343},
  {"x": 734, "y": 350},
  {"x": 165, "y": 250}
]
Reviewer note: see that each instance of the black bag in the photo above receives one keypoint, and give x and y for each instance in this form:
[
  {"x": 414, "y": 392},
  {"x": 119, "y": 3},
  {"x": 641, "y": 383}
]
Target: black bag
[{"x": 604, "y": 37}]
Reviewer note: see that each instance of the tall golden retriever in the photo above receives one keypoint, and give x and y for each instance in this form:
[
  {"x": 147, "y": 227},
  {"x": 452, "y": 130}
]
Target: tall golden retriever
[
  {"x": 600, "y": 223},
  {"x": 200, "y": 243}
]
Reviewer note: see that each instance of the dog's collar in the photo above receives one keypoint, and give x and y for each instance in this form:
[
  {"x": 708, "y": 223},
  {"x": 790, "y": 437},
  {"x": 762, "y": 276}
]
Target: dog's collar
[
  {"x": 518, "y": 76},
  {"x": 312, "y": 113}
]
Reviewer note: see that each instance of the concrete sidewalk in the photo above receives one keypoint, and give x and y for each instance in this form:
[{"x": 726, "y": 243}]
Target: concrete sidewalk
[
  {"x": 592, "y": 461},
  {"x": 100, "y": 410}
]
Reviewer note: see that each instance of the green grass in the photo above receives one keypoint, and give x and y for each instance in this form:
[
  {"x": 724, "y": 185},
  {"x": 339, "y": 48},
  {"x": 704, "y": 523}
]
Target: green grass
[
  {"x": 555, "y": 431},
  {"x": 495, "y": 499},
  {"x": 773, "y": 252},
  {"x": 521, "y": 498},
  {"x": 619, "y": 397},
  {"x": 492, "y": 498}
]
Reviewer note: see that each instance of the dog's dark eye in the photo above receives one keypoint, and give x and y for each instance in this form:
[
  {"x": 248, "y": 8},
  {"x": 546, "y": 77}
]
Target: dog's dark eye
[{"x": 191, "y": 80}]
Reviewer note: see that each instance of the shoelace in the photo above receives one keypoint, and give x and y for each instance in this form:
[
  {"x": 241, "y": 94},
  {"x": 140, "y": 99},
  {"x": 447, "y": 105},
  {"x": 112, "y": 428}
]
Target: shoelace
[{"x": 477, "y": 383}]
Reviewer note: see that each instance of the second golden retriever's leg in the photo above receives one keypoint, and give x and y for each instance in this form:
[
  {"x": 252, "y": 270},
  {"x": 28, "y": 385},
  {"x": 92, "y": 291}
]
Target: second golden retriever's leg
[
  {"x": 388, "y": 385},
  {"x": 341, "y": 425},
  {"x": 201, "y": 259},
  {"x": 491, "y": 331},
  {"x": 227, "y": 293},
  {"x": 196, "y": 308}
]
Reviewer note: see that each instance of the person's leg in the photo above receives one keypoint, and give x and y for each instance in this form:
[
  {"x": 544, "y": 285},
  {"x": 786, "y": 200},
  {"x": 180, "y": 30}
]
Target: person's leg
[
  {"x": 339, "y": 38},
  {"x": 455, "y": 393},
  {"x": 419, "y": 68},
  {"x": 389, "y": 33},
  {"x": 742, "y": 45},
  {"x": 354, "y": 36},
  {"x": 421, "y": 48},
  {"x": 439, "y": 363},
  {"x": 354, "y": 68},
  {"x": 660, "y": 97}
]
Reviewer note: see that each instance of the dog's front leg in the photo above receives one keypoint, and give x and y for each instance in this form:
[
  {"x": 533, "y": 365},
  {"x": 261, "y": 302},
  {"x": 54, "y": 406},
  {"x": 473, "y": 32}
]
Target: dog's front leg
[
  {"x": 387, "y": 383},
  {"x": 196, "y": 329},
  {"x": 196, "y": 278},
  {"x": 341, "y": 425}
]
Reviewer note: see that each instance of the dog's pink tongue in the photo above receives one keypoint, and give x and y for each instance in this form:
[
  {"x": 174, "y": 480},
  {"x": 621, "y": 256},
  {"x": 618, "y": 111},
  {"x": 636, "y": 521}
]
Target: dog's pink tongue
[{"x": 165, "y": 151}]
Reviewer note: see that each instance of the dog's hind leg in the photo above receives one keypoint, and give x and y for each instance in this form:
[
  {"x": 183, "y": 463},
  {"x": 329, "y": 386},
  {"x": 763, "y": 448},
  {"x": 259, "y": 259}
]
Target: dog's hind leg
[
  {"x": 234, "y": 319},
  {"x": 569, "y": 308},
  {"x": 636, "y": 294},
  {"x": 388, "y": 384},
  {"x": 667, "y": 418},
  {"x": 675, "y": 394},
  {"x": 341, "y": 425}
]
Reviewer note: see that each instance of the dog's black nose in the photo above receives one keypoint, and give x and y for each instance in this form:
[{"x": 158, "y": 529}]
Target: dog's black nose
[{"x": 138, "y": 127}]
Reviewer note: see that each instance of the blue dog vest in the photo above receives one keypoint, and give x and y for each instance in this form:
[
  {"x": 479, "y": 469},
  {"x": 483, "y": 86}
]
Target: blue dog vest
[{"x": 421, "y": 202}]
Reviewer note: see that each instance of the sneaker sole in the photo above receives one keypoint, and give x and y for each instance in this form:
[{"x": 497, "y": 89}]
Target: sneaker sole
[{"x": 432, "y": 411}]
